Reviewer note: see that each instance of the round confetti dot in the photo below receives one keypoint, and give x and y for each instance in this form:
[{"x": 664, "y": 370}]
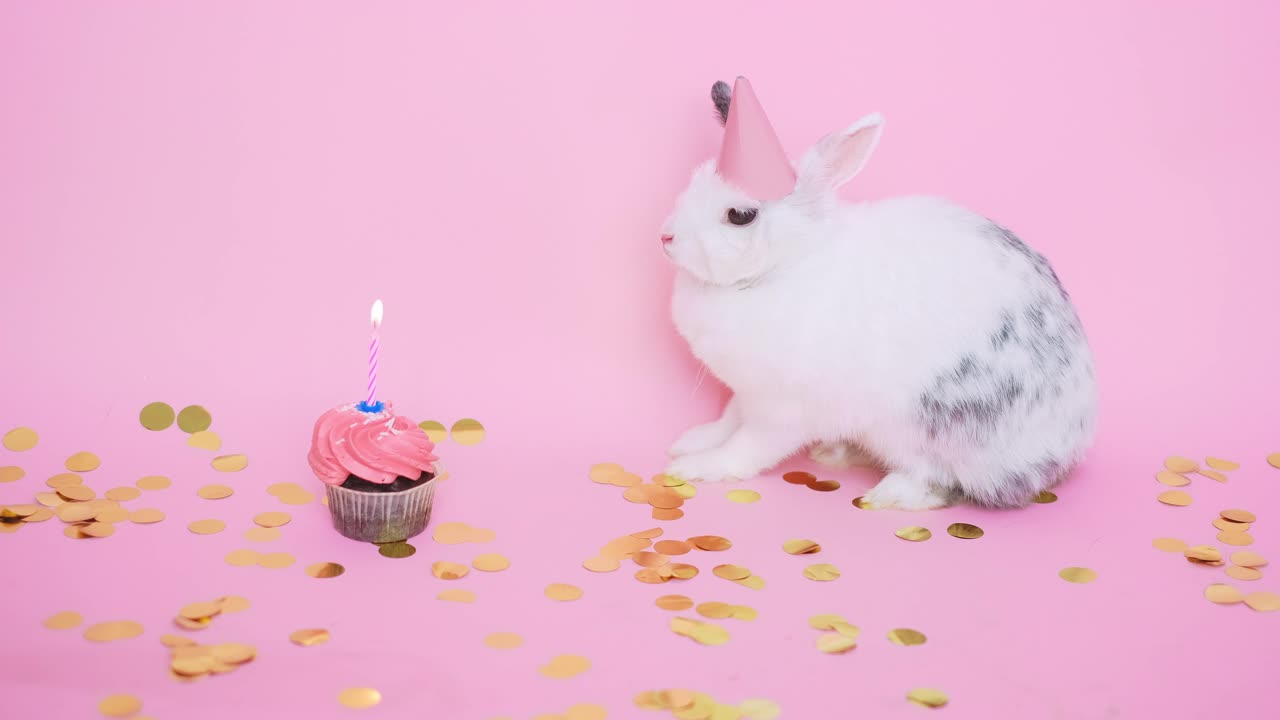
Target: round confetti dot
[
  {"x": 711, "y": 543},
  {"x": 674, "y": 602},
  {"x": 215, "y": 492},
  {"x": 601, "y": 564},
  {"x": 1044, "y": 497},
  {"x": 146, "y": 516},
  {"x": 156, "y": 416},
  {"x": 1220, "y": 464},
  {"x": 446, "y": 570},
  {"x": 743, "y": 496},
  {"x": 1246, "y": 558},
  {"x": 120, "y": 706},
  {"x": 435, "y": 431},
  {"x": 585, "y": 711},
  {"x": 835, "y": 643},
  {"x": 153, "y": 482},
  {"x": 309, "y": 637},
  {"x": 562, "y": 592},
  {"x": 1177, "y": 498},
  {"x": 1243, "y": 573},
  {"x": 467, "y": 432},
  {"x": 230, "y": 463},
  {"x": 1181, "y": 465},
  {"x": 1263, "y": 601},
  {"x": 490, "y": 562},
  {"x": 276, "y": 560},
  {"x": 906, "y": 637},
  {"x": 964, "y": 531},
  {"x": 64, "y": 620},
  {"x": 759, "y": 709},
  {"x": 913, "y": 533},
  {"x": 565, "y": 666},
  {"x": 20, "y": 439},
  {"x": 860, "y": 503},
  {"x": 11, "y": 473},
  {"x": 400, "y": 550},
  {"x": 261, "y": 534},
  {"x": 232, "y": 604},
  {"x": 271, "y": 519},
  {"x": 1222, "y": 594},
  {"x": 324, "y": 570},
  {"x": 503, "y": 640},
  {"x": 799, "y": 477},
  {"x": 1213, "y": 475},
  {"x": 207, "y": 527},
  {"x": 673, "y": 547},
  {"x": 458, "y": 596},
  {"x": 359, "y": 698},
  {"x": 1242, "y": 516},
  {"x": 927, "y": 697},
  {"x": 822, "y": 572},
  {"x": 242, "y": 558},
  {"x": 801, "y": 547},
  {"x": 83, "y": 461},
  {"x": 1169, "y": 544},
  {"x": 1274, "y": 460},
  {"x": 205, "y": 440},
  {"x": 193, "y": 419},
  {"x": 1172, "y": 479},
  {"x": 824, "y": 485},
  {"x": 122, "y": 494},
  {"x": 731, "y": 572},
  {"x": 110, "y": 631},
  {"x": 1078, "y": 575}
]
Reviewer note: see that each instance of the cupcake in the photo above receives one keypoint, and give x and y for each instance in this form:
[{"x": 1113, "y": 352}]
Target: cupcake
[{"x": 378, "y": 469}]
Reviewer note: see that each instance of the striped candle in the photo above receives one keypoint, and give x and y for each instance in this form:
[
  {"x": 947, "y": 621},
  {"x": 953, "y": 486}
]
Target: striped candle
[{"x": 376, "y": 316}]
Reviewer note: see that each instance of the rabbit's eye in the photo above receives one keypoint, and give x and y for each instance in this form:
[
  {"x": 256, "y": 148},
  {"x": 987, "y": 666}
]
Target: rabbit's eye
[{"x": 744, "y": 216}]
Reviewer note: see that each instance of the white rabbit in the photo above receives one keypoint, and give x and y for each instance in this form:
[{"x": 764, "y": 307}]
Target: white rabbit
[{"x": 908, "y": 333}]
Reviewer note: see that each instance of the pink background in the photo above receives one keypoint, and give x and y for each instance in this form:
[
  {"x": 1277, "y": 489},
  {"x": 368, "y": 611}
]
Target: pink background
[{"x": 198, "y": 202}]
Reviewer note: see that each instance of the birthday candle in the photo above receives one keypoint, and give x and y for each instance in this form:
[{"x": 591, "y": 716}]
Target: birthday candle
[{"x": 376, "y": 316}]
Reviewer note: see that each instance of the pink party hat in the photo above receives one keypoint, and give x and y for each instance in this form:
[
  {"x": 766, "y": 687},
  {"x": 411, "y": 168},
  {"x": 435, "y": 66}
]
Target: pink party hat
[{"x": 751, "y": 157}]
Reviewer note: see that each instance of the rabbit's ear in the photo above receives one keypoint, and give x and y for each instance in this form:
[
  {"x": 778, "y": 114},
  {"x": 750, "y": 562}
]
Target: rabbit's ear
[{"x": 838, "y": 157}]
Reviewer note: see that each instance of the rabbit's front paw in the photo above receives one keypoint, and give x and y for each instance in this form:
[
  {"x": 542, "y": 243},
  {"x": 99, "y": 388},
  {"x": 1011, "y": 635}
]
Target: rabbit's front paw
[
  {"x": 701, "y": 438},
  {"x": 904, "y": 491},
  {"x": 708, "y": 466}
]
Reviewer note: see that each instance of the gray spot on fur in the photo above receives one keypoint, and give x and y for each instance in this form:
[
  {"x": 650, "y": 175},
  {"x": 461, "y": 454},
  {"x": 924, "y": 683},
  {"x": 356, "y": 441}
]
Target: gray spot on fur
[
  {"x": 1015, "y": 246},
  {"x": 720, "y": 94}
]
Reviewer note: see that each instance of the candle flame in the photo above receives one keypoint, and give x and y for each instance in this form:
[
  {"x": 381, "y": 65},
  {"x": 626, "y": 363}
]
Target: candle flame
[{"x": 376, "y": 313}]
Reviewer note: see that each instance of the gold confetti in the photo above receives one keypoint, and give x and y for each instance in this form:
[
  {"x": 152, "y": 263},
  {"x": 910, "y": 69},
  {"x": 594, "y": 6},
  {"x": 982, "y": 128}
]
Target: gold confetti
[
  {"x": 200, "y": 610},
  {"x": 1044, "y": 497},
  {"x": 651, "y": 576},
  {"x": 83, "y": 461},
  {"x": 860, "y": 503},
  {"x": 153, "y": 482},
  {"x": 458, "y": 596},
  {"x": 194, "y": 419},
  {"x": 1176, "y": 498},
  {"x": 455, "y": 533},
  {"x": 836, "y": 643},
  {"x": 115, "y": 630},
  {"x": 325, "y": 570},
  {"x": 585, "y": 711},
  {"x": 77, "y": 493},
  {"x": 673, "y": 547},
  {"x": 207, "y": 527},
  {"x": 309, "y": 637},
  {"x": 715, "y": 610},
  {"x": 11, "y": 473},
  {"x": 146, "y": 516},
  {"x": 295, "y": 495},
  {"x": 1168, "y": 544},
  {"x": 1172, "y": 479},
  {"x": 1263, "y": 601},
  {"x": 503, "y": 640},
  {"x": 799, "y": 478},
  {"x": 825, "y": 622},
  {"x": 214, "y": 492},
  {"x": 156, "y": 416},
  {"x": 20, "y": 439},
  {"x": 964, "y": 531},
  {"x": 927, "y": 697},
  {"x": 712, "y": 543},
  {"x": 189, "y": 624},
  {"x": 822, "y": 572},
  {"x": 601, "y": 564},
  {"x": 359, "y": 698},
  {"x": 1274, "y": 460},
  {"x": 1078, "y": 575},
  {"x": 704, "y": 633},
  {"x": 650, "y": 559},
  {"x": 1213, "y": 475},
  {"x": 565, "y": 666},
  {"x": 64, "y": 480},
  {"x": 1242, "y": 516},
  {"x": 1243, "y": 573},
  {"x": 1225, "y": 524},
  {"x": 40, "y": 515},
  {"x": 230, "y": 463},
  {"x": 666, "y": 513},
  {"x": 261, "y": 534},
  {"x": 242, "y": 558},
  {"x": 1181, "y": 464},
  {"x": 64, "y": 620},
  {"x": 446, "y": 570},
  {"x": 563, "y": 592},
  {"x": 605, "y": 473},
  {"x": 755, "y": 582},
  {"x": 913, "y": 533},
  {"x": 1203, "y": 553},
  {"x": 98, "y": 530},
  {"x": 1222, "y": 594},
  {"x": 49, "y": 499},
  {"x": 120, "y": 706},
  {"x": 490, "y": 562},
  {"x": 436, "y": 432},
  {"x": 467, "y": 432},
  {"x": 1235, "y": 538},
  {"x": 824, "y": 485},
  {"x": 122, "y": 494},
  {"x": 906, "y": 637},
  {"x": 731, "y": 572},
  {"x": 276, "y": 560},
  {"x": 233, "y": 653},
  {"x": 758, "y": 709},
  {"x": 76, "y": 512},
  {"x": 674, "y": 602},
  {"x": 801, "y": 547},
  {"x": 205, "y": 440},
  {"x": 1220, "y": 464},
  {"x": 400, "y": 550},
  {"x": 1246, "y": 558},
  {"x": 232, "y": 604},
  {"x": 271, "y": 519},
  {"x": 743, "y": 496}
]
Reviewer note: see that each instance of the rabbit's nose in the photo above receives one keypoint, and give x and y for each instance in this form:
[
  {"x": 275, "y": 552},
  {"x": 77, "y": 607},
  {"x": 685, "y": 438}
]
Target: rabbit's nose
[{"x": 666, "y": 239}]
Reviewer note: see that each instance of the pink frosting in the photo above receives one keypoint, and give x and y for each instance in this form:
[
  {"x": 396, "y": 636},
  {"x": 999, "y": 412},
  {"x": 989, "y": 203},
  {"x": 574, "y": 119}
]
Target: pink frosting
[{"x": 376, "y": 447}]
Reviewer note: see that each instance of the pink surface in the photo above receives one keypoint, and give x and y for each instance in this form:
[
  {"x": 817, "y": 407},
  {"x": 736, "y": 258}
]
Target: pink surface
[{"x": 198, "y": 203}]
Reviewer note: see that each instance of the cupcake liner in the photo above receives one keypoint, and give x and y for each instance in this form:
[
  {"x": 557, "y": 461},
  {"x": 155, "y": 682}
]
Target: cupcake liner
[{"x": 382, "y": 517}]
